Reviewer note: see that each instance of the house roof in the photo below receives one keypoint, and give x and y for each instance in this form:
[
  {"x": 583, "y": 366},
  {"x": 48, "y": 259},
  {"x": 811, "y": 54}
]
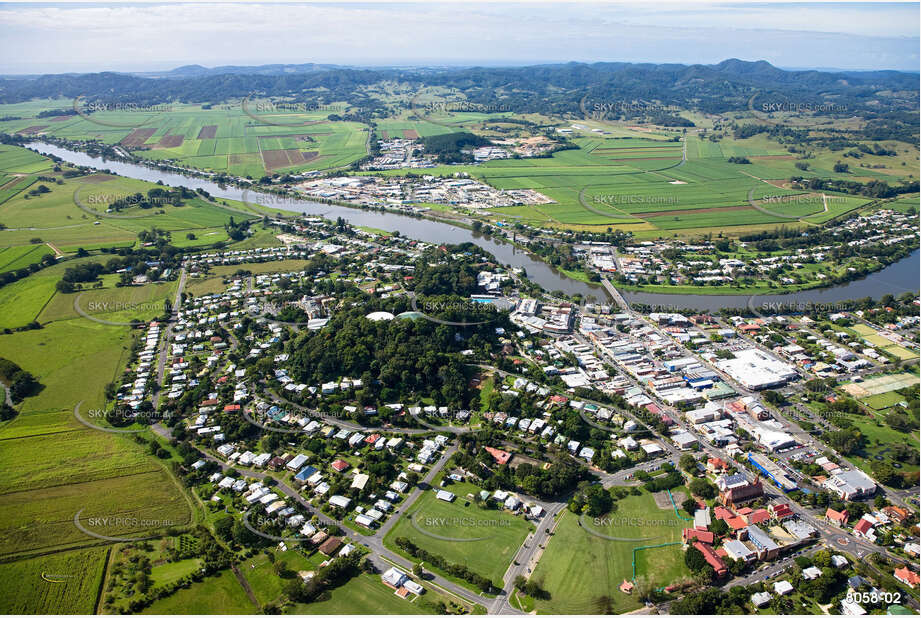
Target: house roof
[
  {"x": 836, "y": 516},
  {"x": 908, "y": 576},
  {"x": 330, "y": 545},
  {"x": 704, "y": 536}
]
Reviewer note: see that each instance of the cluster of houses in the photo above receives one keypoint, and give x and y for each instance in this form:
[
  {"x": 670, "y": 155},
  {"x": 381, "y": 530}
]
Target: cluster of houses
[
  {"x": 133, "y": 393},
  {"x": 644, "y": 260}
]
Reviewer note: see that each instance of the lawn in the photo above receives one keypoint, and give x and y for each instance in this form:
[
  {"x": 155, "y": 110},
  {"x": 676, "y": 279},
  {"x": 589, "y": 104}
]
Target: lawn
[
  {"x": 58, "y": 583},
  {"x": 582, "y": 571},
  {"x": 171, "y": 571},
  {"x": 484, "y": 540}
]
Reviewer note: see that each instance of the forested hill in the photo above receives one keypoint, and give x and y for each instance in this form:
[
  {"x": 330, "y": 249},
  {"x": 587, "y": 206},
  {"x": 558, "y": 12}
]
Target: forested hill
[{"x": 557, "y": 89}]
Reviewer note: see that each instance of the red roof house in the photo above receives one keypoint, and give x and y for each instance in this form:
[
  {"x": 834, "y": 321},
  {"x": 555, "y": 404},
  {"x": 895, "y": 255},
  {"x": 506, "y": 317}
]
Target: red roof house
[
  {"x": 906, "y": 576},
  {"x": 835, "y": 517},
  {"x": 501, "y": 457},
  {"x": 781, "y": 511}
]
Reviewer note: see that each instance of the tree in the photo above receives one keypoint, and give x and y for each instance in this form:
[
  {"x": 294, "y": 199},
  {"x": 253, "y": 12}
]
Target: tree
[
  {"x": 703, "y": 488},
  {"x": 694, "y": 559}
]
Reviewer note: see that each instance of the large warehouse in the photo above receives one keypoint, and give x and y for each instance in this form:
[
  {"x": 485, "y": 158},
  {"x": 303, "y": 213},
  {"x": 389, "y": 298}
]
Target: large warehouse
[{"x": 757, "y": 370}]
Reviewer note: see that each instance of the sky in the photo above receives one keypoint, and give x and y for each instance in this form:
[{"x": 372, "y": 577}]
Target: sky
[{"x": 151, "y": 36}]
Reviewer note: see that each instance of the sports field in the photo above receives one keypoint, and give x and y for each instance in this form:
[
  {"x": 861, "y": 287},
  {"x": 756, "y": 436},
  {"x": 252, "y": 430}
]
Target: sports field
[
  {"x": 587, "y": 559},
  {"x": 881, "y": 384},
  {"x": 484, "y": 540}
]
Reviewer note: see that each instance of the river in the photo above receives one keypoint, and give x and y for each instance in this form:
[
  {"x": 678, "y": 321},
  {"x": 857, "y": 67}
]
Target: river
[{"x": 894, "y": 279}]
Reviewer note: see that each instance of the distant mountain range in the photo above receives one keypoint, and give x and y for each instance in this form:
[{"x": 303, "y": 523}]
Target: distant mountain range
[
  {"x": 196, "y": 70},
  {"x": 886, "y": 97}
]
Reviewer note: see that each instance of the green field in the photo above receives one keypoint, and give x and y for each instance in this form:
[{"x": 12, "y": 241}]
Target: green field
[
  {"x": 248, "y": 140},
  {"x": 14, "y": 258},
  {"x": 582, "y": 571},
  {"x": 364, "y": 595},
  {"x": 221, "y": 594},
  {"x": 54, "y": 466},
  {"x": 485, "y": 546},
  {"x": 72, "y": 215},
  {"x": 60, "y": 583}
]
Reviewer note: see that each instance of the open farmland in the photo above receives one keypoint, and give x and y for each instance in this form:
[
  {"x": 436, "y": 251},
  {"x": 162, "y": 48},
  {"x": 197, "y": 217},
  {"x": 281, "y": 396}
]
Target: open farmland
[
  {"x": 61, "y": 583},
  {"x": 234, "y": 139},
  {"x": 645, "y": 186},
  {"x": 71, "y": 214}
]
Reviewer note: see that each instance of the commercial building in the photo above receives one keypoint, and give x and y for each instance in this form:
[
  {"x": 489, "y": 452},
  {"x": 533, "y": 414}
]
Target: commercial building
[
  {"x": 756, "y": 370},
  {"x": 850, "y": 485}
]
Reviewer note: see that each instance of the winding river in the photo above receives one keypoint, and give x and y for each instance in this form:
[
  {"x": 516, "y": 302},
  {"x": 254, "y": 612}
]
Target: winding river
[{"x": 894, "y": 279}]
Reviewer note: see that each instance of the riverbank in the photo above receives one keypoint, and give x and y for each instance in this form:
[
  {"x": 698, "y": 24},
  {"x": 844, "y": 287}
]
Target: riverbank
[{"x": 443, "y": 229}]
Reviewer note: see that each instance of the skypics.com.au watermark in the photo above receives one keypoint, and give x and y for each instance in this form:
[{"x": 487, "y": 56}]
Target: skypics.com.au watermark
[
  {"x": 275, "y": 112},
  {"x": 793, "y": 114},
  {"x": 441, "y": 527},
  {"x": 600, "y": 109},
  {"x": 634, "y": 198},
  {"x": 795, "y": 200},
  {"x": 109, "y": 113},
  {"x": 766, "y": 309},
  {"x": 466, "y": 106},
  {"x": 114, "y": 306},
  {"x": 814, "y": 108},
  {"x": 611, "y": 527},
  {"x": 113, "y": 416},
  {"x": 129, "y": 199},
  {"x": 427, "y": 308},
  {"x": 107, "y": 526},
  {"x": 428, "y": 106}
]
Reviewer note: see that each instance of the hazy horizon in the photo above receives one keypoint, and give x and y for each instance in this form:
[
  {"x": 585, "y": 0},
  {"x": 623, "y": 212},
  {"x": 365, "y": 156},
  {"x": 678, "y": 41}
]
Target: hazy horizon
[{"x": 95, "y": 37}]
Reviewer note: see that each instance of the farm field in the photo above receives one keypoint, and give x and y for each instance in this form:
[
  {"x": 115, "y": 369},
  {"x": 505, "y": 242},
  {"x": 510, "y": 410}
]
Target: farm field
[
  {"x": 14, "y": 258},
  {"x": 486, "y": 548},
  {"x": 70, "y": 214},
  {"x": 248, "y": 139},
  {"x": 582, "y": 571},
  {"x": 79, "y": 467},
  {"x": 60, "y": 583},
  {"x": 643, "y": 185}
]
